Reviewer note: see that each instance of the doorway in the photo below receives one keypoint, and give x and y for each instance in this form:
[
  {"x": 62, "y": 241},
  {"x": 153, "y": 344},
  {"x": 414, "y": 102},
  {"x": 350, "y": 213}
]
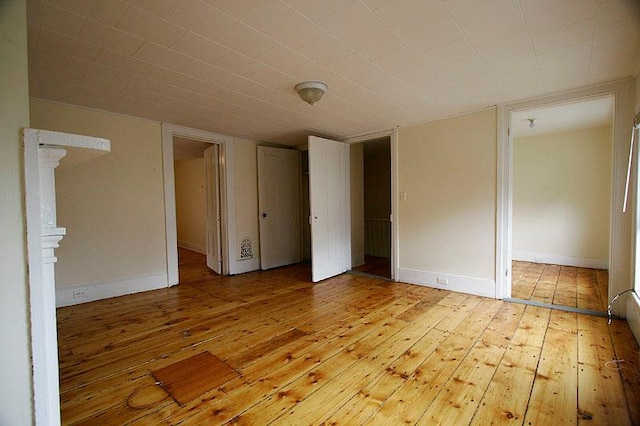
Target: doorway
[
  {"x": 197, "y": 195},
  {"x": 620, "y": 222},
  {"x": 561, "y": 226},
  {"x": 372, "y": 219}
]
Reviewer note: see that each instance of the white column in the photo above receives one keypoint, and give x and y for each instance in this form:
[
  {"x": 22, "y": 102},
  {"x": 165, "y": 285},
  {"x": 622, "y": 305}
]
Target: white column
[{"x": 45, "y": 326}]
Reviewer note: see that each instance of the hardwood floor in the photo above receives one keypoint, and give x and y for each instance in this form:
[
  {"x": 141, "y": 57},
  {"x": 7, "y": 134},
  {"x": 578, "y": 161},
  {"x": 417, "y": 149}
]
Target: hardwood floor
[
  {"x": 380, "y": 266},
  {"x": 348, "y": 350},
  {"x": 582, "y": 288}
]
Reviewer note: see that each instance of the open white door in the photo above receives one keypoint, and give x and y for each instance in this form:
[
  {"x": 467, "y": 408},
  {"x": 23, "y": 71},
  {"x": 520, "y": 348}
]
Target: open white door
[
  {"x": 212, "y": 168},
  {"x": 330, "y": 208},
  {"x": 279, "y": 206}
]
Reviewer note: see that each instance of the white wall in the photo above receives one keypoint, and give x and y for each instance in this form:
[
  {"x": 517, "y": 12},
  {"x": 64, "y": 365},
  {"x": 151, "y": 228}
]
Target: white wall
[
  {"x": 447, "y": 224},
  {"x": 561, "y": 197},
  {"x": 16, "y": 391},
  {"x": 191, "y": 204},
  {"x": 112, "y": 206},
  {"x": 246, "y": 201}
]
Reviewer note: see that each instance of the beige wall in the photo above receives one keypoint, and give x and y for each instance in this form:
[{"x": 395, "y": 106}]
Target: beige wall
[
  {"x": 15, "y": 357},
  {"x": 246, "y": 198},
  {"x": 112, "y": 206},
  {"x": 447, "y": 169},
  {"x": 561, "y": 195},
  {"x": 357, "y": 204},
  {"x": 191, "y": 204}
]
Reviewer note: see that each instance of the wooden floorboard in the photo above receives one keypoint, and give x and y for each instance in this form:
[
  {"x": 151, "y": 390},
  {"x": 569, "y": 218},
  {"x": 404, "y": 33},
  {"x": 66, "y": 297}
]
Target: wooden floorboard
[
  {"x": 348, "y": 350},
  {"x": 570, "y": 286}
]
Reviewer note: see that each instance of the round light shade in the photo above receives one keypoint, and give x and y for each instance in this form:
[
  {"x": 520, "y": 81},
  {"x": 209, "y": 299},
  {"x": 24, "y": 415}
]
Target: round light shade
[{"x": 311, "y": 91}]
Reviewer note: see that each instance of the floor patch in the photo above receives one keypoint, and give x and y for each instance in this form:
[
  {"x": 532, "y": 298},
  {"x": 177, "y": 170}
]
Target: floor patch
[{"x": 188, "y": 379}]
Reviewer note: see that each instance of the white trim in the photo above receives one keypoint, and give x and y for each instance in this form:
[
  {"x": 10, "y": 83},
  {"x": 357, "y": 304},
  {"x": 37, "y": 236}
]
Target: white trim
[
  {"x": 395, "y": 200},
  {"x": 619, "y": 253},
  {"x": 64, "y": 296},
  {"x": 227, "y": 197},
  {"x": 555, "y": 259},
  {"x": 633, "y": 314},
  {"x": 193, "y": 247},
  {"x": 458, "y": 283}
]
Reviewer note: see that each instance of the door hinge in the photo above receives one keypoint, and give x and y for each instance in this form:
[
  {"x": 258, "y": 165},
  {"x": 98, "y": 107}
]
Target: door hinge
[
  {"x": 391, "y": 218},
  {"x": 506, "y": 272}
]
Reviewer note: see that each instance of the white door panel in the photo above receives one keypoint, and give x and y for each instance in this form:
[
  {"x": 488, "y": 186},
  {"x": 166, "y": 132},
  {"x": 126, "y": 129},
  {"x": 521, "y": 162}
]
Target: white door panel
[
  {"x": 212, "y": 168},
  {"x": 330, "y": 209},
  {"x": 279, "y": 206}
]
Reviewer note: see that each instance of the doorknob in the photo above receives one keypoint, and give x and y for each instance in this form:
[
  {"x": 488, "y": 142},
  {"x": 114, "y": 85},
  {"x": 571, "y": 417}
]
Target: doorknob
[{"x": 264, "y": 215}]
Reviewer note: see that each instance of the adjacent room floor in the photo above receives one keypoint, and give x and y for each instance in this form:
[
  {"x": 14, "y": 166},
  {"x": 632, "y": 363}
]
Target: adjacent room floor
[
  {"x": 570, "y": 286},
  {"x": 271, "y": 347}
]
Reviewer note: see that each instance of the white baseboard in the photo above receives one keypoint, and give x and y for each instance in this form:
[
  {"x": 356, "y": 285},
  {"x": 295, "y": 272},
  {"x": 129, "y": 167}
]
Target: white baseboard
[
  {"x": 92, "y": 292},
  {"x": 633, "y": 314},
  {"x": 193, "y": 247},
  {"x": 554, "y": 259},
  {"x": 458, "y": 283}
]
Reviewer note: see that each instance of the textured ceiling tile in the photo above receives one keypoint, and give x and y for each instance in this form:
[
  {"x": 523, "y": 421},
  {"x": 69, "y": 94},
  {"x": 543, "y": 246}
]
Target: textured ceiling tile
[
  {"x": 325, "y": 50},
  {"x": 566, "y": 36},
  {"x": 466, "y": 12},
  {"x": 506, "y": 47},
  {"x": 352, "y": 22},
  {"x": 436, "y": 33},
  {"x": 246, "y": 40},
  {"x": 67, "y": 45},
  {"x": 32, "y": 34},
  {"x": 123, "y": 62},
  {"x": 282, "y": 58},
  {"x": 491, "y": 29},
  {"x": 149, "y": 26},
  {"x": 252, "y": 12},
  {"x": 316, "y": 10},
  {"x": 398, "y": 61},
  {"x": 614, "y": 11},
  {"x": 240, "y": 64},
  {"x": 292, "y": 29},
  {"x": 201, "y": 48},
  {"x": 560, "y": 15},
  {"x": 106, "y": 11},
  {"x": 91, "y": 69},
  {"x": 111, "y": 38},
  {"x": 566, "y": 60},
  {"x": 351, "y": 66},
  {"x": 158, "y": 7},
  {"x": 54, "y": 19},
  {"x": 530, "y": 6},
  {"x": 200, "y": 18},
  {"x": 615, "y": 33},
  {"x": 407, "y": 14},
  {"x": 379, "y": 44},
  {"x": 451, "y": 52},
  {"x": 47, "y": 57}
]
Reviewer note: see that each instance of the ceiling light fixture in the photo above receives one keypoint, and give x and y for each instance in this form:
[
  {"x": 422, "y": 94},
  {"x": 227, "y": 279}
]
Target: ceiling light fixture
[
  {"x": 311, "y": 91},
  {"x": 532, "y": 123}
]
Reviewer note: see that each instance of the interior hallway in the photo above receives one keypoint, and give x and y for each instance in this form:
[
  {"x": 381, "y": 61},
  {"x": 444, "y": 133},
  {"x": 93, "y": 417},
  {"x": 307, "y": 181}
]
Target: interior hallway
[{"x": 270, "y": 346}]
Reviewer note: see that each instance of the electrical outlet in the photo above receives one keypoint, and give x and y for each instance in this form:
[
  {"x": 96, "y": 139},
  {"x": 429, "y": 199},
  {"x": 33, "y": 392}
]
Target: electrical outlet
[
  {"x": 77, "y": 294},
  {"x": 442, "y": 281}
]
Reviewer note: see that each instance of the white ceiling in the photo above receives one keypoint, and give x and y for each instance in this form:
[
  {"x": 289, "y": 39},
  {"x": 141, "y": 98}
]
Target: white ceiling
[
  {"x": 230, "y": 66},
  {"x": 562, "y": 118}
]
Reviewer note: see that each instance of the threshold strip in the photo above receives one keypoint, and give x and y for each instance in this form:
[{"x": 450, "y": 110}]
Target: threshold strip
[
  {"x": 368, "y": 275},
  {"x": 556, "y": 307}
]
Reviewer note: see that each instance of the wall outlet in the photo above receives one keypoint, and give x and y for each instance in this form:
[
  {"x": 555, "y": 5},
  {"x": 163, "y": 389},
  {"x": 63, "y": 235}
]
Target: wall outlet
[
  {"x": 442, "y": 281},
  {"x": 77, "y": 294}
]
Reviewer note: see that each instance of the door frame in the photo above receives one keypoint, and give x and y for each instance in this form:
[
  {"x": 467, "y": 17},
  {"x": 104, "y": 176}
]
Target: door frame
[
  {"x": 227, "y": 197},
  {"x": 620, "y": 268},
  {"x": 395, "y": 200}
]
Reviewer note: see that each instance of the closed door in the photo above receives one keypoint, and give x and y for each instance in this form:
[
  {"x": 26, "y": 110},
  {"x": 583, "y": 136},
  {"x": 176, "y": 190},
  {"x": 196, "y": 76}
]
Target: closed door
[
  {"x": 330, "y": 208},
  {"x": 279, "y": 206},
  {"x": 212, "y": 168}
]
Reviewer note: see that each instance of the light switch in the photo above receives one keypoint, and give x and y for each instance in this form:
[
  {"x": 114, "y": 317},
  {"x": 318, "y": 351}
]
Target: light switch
[{"x": 403, "y": 196}]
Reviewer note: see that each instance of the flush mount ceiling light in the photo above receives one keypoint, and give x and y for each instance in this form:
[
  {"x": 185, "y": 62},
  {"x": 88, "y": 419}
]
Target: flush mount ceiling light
[
  {"x": 532, "y": 123},
  {"x": 311, "y": 91}
]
